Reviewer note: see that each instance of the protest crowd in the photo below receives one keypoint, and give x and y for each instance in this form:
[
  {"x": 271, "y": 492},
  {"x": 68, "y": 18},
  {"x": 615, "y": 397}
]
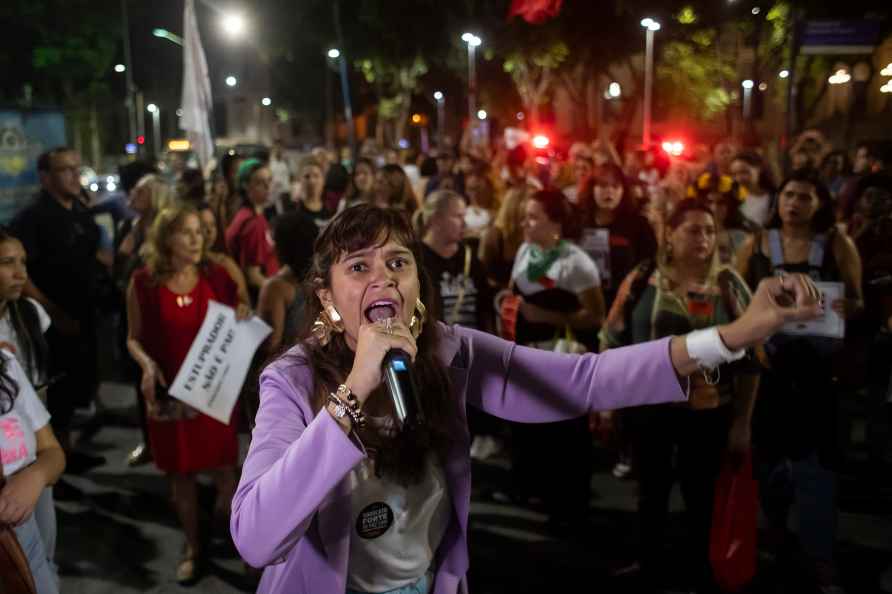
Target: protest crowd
[{"x": 584, "y": 249}]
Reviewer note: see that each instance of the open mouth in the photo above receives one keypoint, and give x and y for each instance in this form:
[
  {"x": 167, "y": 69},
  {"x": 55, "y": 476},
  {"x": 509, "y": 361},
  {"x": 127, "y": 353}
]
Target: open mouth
[{"x": 381, "y": 309}]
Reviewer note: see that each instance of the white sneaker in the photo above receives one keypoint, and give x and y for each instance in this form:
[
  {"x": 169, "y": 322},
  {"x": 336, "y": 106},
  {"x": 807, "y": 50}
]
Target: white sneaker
[{"x": 476, "y": 447}]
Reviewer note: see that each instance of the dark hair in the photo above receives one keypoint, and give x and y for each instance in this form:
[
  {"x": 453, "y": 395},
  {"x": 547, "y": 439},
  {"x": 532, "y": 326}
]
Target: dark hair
[
  {"x": 626, "y": 206},
  {"x": 352, "y": 191},
  {"x": 45, "y": 159},
  {"x": 227, "y": 169},
  {"x": 361, "y": 226},
  {"x": 428, "y": 167},
  {"x": 733, "y": 217},
  {"x": 245, "y": 172},
  {"x": 191, "y": 186},
  {"x": 131, "y": 173},
  {"x": 294, "y": 234},
  {"x": 684, "y": 207},
  {"x": 824, "y": 218},
  {"x": 557, "y": 209},
  {"x": 765, "y": 180}
]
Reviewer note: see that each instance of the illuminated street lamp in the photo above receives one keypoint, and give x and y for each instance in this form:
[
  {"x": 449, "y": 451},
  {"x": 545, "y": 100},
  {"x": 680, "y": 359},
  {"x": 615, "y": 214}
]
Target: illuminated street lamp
[
  {"x": 481, "y": 114},
  {"x": 231, "y": 81},
  {"x": 334, "y": 53},
  {"x": 747, "y": 96},
  {"x": 119, "y": 68},
  {"x": 234, "y": 25},
  {"x": 472, "y": 41},
  {"x": 156, "y": 126},
  {"x": 266, "y": 101},
  {"x": 165, "y": 34},
  {"x": 650, "y": 25},
  {"x": 440, "y": 98},
  {"x": 783, "y": 73},
  {"x": 840, "y": 77}
]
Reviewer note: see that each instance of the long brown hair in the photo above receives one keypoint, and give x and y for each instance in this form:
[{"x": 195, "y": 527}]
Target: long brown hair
[
  {"x": 402, "y": 457},
  {"x": 156, "y": 251}
]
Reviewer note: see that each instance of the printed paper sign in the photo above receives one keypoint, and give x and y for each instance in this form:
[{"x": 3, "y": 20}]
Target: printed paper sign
[
  {"x": 212, "y": 375},
  {"x": 596, "y": 243},
  {"x": 831, "y": 324}
]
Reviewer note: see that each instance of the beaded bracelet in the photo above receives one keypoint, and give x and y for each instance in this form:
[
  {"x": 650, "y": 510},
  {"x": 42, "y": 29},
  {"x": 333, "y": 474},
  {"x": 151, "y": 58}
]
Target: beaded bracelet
[{"x": 351, "y": 405}]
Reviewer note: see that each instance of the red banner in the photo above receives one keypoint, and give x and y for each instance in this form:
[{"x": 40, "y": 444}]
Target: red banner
[{"x": 535, "y": 12}]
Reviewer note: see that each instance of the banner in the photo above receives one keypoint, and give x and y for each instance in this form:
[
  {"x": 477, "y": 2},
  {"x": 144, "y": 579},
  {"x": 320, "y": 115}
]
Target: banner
[
  {"x": 196, "y": 102},
  {"x": 211, "y": 377},
  {"x": 24, "y": 135}
]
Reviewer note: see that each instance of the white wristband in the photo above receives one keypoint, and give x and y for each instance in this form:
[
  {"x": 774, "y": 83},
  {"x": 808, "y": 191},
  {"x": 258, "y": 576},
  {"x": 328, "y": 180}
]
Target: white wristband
[{"x": 707, "y": 348}]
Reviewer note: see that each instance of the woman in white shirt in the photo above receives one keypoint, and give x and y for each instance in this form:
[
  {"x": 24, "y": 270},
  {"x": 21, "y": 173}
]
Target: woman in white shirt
[
  {"x": 560, "y": 290},
  {"x": 23, "y": 323},
  {"x": 756, "y": 188}
]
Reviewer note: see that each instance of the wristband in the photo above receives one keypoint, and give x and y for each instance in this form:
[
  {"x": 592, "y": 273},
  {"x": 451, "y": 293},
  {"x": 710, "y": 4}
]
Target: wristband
[{"x": 707, "y": 348}]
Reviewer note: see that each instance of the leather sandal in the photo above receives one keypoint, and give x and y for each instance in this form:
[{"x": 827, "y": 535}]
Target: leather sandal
[{"x": 188, "y": 571}]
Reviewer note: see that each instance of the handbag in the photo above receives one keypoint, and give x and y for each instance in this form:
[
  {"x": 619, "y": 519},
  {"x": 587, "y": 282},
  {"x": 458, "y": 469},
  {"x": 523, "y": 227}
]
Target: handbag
[
  {"x": 15, "y": 573},
  {"x": 561, "y": 344},
  {"x": 735, "y": 518}
]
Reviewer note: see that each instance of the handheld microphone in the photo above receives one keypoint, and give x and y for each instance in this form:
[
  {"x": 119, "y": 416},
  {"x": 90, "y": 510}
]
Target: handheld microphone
[{"x": 400, "y": 381}]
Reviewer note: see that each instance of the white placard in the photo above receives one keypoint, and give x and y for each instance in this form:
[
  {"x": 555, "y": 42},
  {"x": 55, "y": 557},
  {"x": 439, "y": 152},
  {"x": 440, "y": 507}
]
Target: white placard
[
  {"x": 213, "y": 372},
  {"x": 596, "y": 243},
  {"x": 831, "y": 324}
]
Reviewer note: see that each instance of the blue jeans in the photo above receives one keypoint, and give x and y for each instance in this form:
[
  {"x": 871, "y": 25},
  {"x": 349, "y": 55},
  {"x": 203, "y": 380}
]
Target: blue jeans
[
  {"x": 32, "y": 545},
  {"x": 424, "y": 585}
]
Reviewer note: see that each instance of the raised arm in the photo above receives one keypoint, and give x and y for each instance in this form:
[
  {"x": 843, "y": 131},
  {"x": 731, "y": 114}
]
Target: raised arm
[
  {"x": 529, "y": 385},
  {"x": 294, "y": 463}
]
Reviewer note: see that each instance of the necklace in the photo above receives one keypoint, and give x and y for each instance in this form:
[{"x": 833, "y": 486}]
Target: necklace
[{"x": 184, "y": 300}]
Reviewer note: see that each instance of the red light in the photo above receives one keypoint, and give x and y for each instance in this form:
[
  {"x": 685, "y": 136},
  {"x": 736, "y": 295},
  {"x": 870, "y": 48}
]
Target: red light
[
  {"x": 140, "y": 139},
  {"x": 540, "y": 141},
  {"x": 673, "y": 147}
]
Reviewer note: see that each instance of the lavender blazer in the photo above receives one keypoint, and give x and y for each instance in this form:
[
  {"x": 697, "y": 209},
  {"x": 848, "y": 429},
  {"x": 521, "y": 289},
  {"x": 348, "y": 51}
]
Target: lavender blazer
[{"x": 290, "y": 513}]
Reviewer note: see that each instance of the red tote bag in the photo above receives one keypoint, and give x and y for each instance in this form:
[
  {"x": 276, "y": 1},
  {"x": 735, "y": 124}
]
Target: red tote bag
[{"x": 735, "y": 518}]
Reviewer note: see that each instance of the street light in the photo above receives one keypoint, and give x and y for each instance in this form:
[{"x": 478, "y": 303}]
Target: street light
[
  {"x": 165, "y": 34},
  {"x": 440, "y": 98},
  {"x": 614, "y": 90},
  {"x": 840, "y": 77},
  {"x": 231, "y": 81},
  {"x": 119, "y": 68},
  {"x": 886, "y": 88},
  {"x": 156, "y": 126},
  {"x": 784, "y": 73},
  {"x": 233, "y": 24},
  {"x": 334, "y": 53},
  {"x": 747, "y": 96},
  {"x": 472, "y": 41},
  {"x": 266, "y": 101},
  {"x": 481, "y": 115},
  {"x": 650, "y": 26}
]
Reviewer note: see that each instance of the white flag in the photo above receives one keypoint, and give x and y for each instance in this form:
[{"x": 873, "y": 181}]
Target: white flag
[{"x": 197, "y": 102}]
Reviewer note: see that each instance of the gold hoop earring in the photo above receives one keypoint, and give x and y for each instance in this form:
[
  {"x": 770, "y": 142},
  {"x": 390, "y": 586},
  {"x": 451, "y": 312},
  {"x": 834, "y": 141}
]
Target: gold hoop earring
[
  {"x": 416, "y": 324},
  {"x": 327, "y": 322}
]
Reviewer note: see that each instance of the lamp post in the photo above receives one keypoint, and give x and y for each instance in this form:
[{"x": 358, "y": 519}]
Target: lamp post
[
  {"x": 472, "y": 41},
  {"x": 156, "y": 127},
  {"x": 650, "y": 25},
  {"x": 440, "y": 98},
  {"x": 165, "y": 34},
  {"x": 747, "y": 98}
]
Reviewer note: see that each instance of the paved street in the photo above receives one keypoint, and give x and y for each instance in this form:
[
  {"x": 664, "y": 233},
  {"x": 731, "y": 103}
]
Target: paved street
[{"x": 121, "y": 537}]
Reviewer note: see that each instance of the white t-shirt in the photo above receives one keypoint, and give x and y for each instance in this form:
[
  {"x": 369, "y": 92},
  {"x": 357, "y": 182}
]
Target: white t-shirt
[
  {"x": 573, "y": 271},
  {"x": 7, "y": 335},
  {"x": 395, "y": 530},
  {"x": 18, "y": 427},
  {"x": 477, "y": 220},
  {"x": 757, "y": 208}
]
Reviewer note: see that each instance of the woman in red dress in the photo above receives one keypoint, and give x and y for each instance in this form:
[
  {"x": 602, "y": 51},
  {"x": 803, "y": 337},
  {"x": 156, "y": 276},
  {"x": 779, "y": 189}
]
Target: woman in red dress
[{"x": 166, "y": 304}]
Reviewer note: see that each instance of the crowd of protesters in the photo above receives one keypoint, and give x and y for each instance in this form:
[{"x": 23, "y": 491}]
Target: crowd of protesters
[{"x": 587, "y": 252}]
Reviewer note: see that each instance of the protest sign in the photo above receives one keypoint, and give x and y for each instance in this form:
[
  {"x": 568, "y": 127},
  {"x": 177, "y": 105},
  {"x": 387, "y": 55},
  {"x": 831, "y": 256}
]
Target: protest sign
[{"x": 212, "y": 375}]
